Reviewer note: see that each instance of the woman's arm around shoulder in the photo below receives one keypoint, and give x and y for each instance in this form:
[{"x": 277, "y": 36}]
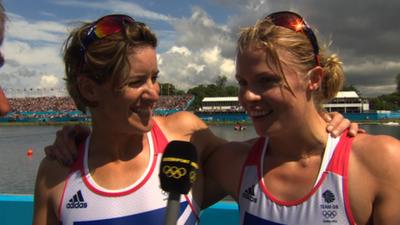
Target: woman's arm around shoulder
[
  {"x": 49, "y": 186},
  {"x": 188, "y": 127},
  {"x": 224, "y": 166},
  {"x": 377, "y": 163},
  {"x": 180, "y": 124}
]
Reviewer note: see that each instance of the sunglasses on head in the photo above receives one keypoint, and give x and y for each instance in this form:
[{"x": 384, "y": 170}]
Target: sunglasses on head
[
  {"x": 295, "y": 22},
  {"x": 106, "y": 26}
]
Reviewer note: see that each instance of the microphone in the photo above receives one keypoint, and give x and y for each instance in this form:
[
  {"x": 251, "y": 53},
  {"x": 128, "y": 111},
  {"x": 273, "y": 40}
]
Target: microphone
[{"x": 178, "y": 171}]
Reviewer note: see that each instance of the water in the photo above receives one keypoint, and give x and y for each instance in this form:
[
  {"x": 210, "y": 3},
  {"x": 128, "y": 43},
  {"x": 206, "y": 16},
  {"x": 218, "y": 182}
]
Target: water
[{"x": 18, "y": 171}]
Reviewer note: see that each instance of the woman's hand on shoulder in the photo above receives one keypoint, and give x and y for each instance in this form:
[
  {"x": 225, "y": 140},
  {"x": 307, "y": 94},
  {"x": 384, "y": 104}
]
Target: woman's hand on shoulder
[
  {"x": 337, "y": 124},
  {"x": 65, "y": 147}
]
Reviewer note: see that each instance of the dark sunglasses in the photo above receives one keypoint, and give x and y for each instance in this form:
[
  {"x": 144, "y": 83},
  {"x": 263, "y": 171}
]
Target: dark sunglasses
[
  {"x": 295, "y": 22},
  {"x": 106, "y": 26}
]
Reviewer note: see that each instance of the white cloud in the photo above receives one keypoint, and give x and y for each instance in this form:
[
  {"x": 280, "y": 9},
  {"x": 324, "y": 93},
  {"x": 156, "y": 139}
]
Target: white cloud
[
  {"x": 200, "y": 67},
  {"x": 227, "y": 67},
  {"x": 196, "y": 67},
  {"x": 181, "y": 50},
  {"x": 32, "y": 53},
  {"x": 201, "y": 32},
  {"x": 49, "y": 81},
  {"x": 26, "y": 54},
  {"x": 199, "y": 60},
  {"x": 47, "y": 31},
  {"x": 118, "y": 6},
  {"x": 211, "y": 55}
]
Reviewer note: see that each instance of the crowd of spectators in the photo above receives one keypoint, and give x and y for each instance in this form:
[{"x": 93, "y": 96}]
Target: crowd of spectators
[
  {"x": 41, "y": 104},
  {"x": 50, "y": 107},
  {"x": 179, "y": 102}
]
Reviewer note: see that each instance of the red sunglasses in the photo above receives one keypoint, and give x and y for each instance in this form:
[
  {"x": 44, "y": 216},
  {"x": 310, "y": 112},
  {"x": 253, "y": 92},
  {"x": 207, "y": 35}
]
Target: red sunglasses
[
  {"x": 106, "y": 26},
  {"x": 295, "y": 22}
]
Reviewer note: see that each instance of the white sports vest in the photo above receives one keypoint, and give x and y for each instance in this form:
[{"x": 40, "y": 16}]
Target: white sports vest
[
  {"x": 142, "y": 203},
  {"x": 326, "y": 203}
]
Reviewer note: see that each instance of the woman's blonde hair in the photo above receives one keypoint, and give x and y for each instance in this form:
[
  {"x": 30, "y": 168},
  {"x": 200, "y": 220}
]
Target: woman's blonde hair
[
  {"x": 268, "y": 37},
  {"x": 104, "y": 59}
]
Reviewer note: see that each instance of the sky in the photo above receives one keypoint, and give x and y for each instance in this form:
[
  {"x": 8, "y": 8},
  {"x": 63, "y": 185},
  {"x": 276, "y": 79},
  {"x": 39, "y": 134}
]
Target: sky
[{"x": 197, "y": 38}]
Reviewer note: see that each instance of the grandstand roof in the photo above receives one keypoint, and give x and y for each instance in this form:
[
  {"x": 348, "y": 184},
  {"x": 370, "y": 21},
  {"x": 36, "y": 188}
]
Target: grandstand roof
[
  {"x": 347, "y": 94},
  {"x": 220, "y": 99}
]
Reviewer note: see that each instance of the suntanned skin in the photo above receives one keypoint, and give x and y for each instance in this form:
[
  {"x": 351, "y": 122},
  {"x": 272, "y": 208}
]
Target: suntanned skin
[
  {"x": 4, "y": 105},
  {"x": 51, "y": 174},
  {"x": 291, "y": 167},
  {"x": 119, "y": 156},
  {"x": 118, "y": 150}
]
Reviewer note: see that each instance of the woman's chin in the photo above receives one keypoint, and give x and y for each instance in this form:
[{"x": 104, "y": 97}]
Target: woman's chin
[
  {"x": 143, "y": 126},
  {"x": 267, "y": 130}
]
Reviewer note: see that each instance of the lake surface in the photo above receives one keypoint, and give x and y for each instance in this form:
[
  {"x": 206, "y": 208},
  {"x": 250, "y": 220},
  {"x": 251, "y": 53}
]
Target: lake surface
[{"x": 18, "y": 171}]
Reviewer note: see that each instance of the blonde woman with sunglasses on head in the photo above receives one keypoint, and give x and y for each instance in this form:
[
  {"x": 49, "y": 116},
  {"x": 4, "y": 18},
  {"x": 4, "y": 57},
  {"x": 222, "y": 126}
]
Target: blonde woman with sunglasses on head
[{"x": 295, "y": 172}]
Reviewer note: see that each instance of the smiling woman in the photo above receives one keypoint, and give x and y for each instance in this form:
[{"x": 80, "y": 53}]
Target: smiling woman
[
  {"x": 295, "y": 172},
  {"x": 116, "y": 163}
]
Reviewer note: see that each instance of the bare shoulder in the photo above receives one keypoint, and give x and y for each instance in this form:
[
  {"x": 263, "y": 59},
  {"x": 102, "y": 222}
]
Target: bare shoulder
[
  {"x": 180, "y": 123},
  {"x": 374, "y": 179},
  {"x": 51, "y": 173},
  {"x": 380, "y": 154},
  {"x": 49, "y": 186}
]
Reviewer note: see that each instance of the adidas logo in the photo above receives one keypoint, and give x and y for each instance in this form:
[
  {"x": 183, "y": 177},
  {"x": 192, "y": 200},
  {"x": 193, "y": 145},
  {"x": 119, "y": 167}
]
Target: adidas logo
[
  {"x": 249, "y": 194},
  {"x": 77, "y": 201}
]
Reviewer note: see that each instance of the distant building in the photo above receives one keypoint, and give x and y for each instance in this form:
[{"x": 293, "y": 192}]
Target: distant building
[
  {"x": 347, "y": 102},
  {"x": 344, "y": 102},
  {"x": 220, "y": 104}
]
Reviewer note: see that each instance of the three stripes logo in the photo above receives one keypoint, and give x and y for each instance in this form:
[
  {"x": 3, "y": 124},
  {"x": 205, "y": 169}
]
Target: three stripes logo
[
  {"x": 76, "y": 201},
  {"x": 249, "y": 194}
]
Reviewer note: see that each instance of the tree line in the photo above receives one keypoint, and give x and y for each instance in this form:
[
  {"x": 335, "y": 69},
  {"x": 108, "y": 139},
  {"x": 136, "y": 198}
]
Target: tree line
[{"x": 388, "y": 101}]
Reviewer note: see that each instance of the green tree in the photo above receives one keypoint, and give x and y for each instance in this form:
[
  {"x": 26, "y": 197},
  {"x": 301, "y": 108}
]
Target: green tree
[
  {"x": 386, "y": 102},
  {"x": 199, "y": 92},
  {"x": 231, "y": 90},
  {"x": 389, "y": 101},
  {"x": 169, "y": 89},
  {"x": 221, "y": 81}
]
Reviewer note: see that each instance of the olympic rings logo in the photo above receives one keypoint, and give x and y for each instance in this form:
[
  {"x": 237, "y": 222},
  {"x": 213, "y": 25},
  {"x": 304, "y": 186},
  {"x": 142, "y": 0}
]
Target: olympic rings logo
[
  {"x": 329, "y": 214},
  {"x": 174, "y": 172}
]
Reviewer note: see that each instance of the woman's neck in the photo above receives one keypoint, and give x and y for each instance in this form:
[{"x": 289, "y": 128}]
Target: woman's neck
[
  {"x": 306, "y": 139},
  {"x": 114, "y": 146}
]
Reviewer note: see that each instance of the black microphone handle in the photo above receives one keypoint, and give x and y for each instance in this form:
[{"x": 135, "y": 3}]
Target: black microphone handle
[{"x": 171, "y": 215}]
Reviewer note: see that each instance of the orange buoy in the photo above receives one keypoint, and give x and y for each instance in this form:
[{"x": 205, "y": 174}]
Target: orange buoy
[{"x": 29, "y": 152}]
